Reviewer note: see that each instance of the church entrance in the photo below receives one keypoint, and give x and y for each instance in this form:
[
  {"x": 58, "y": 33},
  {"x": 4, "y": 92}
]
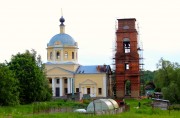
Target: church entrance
[
  {"x": 57, "y": 92},
  {"x": 127, "y": 87},
  {"x": 88, "y": 90}
]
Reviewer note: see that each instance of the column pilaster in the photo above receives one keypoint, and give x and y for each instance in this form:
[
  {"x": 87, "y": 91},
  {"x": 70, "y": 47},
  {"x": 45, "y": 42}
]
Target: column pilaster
[
  {"x": 69, "y": 85},
  {"x": 61, "y": 87},
  {"x": 104, "y": 89},
  {"x": 53, "y": 86}
]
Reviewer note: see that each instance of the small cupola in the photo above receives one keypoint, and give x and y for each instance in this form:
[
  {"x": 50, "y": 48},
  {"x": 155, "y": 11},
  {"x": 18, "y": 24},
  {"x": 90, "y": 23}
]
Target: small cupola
[{"x": 62, "y": 26}]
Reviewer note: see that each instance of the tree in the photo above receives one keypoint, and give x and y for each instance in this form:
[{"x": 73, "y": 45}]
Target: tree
[
  {"x": 33, "y": 85},
  {"x": 146, "y": 77},
  {"x": 150, "y": 86},
  {"x": 167, "y": 79},
  {"x": 9, "y": 94},
  {"x": 170, "y": 92}
]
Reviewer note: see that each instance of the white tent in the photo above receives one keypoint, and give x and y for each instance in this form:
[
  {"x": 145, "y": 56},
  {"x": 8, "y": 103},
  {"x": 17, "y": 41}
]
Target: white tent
[{"x": 102, "y": 105}]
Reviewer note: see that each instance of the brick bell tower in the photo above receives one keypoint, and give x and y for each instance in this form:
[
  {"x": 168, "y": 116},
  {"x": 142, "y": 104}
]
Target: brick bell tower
[{"x": 127, "y": 59}]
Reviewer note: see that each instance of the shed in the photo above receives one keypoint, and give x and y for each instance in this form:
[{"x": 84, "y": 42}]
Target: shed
[
  {"x": 158, "y": 95},
  {"x": 160, "y": 103},
  {"x": 102, "y": 105}
]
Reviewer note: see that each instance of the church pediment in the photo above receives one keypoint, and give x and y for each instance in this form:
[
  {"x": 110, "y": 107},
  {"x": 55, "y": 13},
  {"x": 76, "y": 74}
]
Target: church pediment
[
  {"x": 88, "y": 82},
  {"x": 57, "y": 71}
]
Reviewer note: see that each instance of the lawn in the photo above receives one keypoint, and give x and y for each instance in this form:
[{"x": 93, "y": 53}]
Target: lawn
[{"x": 145, "y": 111}]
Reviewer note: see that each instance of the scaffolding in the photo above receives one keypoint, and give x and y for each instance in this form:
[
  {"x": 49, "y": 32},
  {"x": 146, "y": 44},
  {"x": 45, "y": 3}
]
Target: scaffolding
[{"x": 123, "y": 58}]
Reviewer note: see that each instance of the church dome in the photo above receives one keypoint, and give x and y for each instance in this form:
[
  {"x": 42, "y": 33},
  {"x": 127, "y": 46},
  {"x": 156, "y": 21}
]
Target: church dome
[{"x": 62, "y": 39}]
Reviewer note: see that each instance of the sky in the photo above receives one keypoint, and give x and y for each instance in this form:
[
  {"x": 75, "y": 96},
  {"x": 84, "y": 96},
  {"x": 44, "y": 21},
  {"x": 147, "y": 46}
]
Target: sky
[{"x": 30, "y": 24}]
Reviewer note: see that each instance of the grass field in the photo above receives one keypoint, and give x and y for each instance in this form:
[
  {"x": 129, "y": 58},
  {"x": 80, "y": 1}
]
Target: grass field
[{"x": 145, "y": 111}]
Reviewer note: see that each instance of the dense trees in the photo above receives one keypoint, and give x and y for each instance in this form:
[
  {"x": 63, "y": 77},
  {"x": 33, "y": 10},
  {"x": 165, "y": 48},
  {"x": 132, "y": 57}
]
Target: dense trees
[
  {"x": 25, "y": 72},
  {"x": 9, "y": 94},
  {"x": 32, "y": 80},
  {"x": 167, "y": 80}
]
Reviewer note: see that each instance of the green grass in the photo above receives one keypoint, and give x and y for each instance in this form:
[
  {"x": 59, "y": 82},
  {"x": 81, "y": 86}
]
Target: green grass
[
  {"x": 20, "y": 109},
  {"x": 145, "y": 111},
  {"x": 25, "y": 110}
]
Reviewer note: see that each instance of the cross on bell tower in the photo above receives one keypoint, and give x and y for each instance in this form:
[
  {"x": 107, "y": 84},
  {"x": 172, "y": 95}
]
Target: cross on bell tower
[{"x": 127, "y": 59}]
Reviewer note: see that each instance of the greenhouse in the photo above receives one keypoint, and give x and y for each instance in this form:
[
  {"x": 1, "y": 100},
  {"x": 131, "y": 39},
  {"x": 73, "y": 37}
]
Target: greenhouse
[{"x": 102, "y": 105}]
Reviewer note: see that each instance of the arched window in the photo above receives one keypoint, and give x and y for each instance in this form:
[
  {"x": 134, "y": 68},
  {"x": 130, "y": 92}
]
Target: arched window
[
  {"x": 51, "y": 55},
  {"x": 66, "y": 55},
  {"x": 72, "y": 55},
  {"x": 126, "y": 45},
  {"x": 58, "y": 55}
]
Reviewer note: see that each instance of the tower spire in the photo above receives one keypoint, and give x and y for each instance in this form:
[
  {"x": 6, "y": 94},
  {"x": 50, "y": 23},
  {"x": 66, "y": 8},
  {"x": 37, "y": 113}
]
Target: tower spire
[
  {"x": 61, "y": 12},
  {"x": 62, "y": 20}
]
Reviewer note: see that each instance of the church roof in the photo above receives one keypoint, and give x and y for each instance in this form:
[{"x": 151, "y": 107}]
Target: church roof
[
  {"x": 63, "y": 38},
  {"x": 92, "y": 69}
]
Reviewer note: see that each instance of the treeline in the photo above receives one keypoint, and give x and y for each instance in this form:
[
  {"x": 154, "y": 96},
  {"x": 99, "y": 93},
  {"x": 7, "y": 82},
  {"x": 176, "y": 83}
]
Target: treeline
[
  {"x": 165, "y": 79},
  {"x": 147, "y": 76},
  {"x": 23, "y": 80}
]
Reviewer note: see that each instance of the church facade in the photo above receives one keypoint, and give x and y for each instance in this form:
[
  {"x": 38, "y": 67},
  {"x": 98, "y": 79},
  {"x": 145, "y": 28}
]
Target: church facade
[{"x": 67, "y": 76}]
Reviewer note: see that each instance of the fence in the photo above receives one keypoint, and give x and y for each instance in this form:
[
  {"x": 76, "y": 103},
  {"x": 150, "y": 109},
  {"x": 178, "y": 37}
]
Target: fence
[
  {"x": 114, "y": 111},
  {"x": 44, "y": 108}
]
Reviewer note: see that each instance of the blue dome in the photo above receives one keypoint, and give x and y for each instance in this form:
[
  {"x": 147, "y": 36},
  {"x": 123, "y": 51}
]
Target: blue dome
[{"x": 63, "y": 38}]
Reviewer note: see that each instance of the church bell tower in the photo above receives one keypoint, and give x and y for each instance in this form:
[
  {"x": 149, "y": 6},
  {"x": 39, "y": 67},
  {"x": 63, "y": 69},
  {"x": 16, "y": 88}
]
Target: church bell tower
[{"x": 127, "y": 59}]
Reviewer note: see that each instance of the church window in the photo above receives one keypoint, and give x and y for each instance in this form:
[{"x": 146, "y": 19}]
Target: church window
[
  {"x": 66, "y": 55},
  {"x": 57, "y": 81},
  {"x": 126, "y": 45},
  {"x": 72, "y": 55},
  {"x": 77, "y": 90},
  {"x": 57, "y": 43},
  {"x": 99, "y": 91},
  {"x": 126, "y": 66},
  {"x": 50, "y": 80},
  {"x": 65, "y": 90},
  {"x": 65, "y": 81},
  {"x": 51, "y": 55},
  {"x": 58, "y": 55},
  {"x": 126, "y": 27}
]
